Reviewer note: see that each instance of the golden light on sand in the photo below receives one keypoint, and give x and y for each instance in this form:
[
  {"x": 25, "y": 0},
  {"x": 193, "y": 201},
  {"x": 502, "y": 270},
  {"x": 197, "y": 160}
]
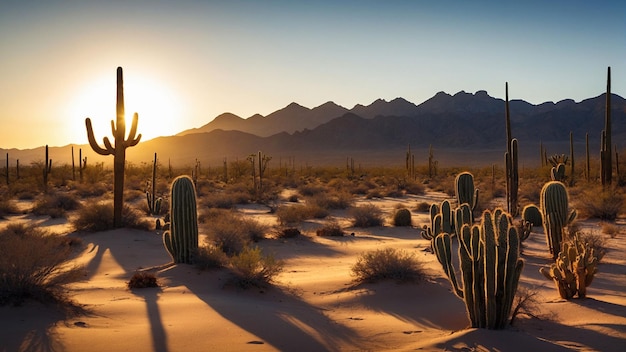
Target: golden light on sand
[{"x": 159, "y": 108}]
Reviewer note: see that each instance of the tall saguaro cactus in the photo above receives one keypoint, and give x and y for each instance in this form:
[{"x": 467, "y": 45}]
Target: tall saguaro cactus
[
  {"x": 511, "y": 161},
  {"x": 118, "y": 150},
  {"x": 490, "y": 268},
  {"x": 606, "y": 167}
]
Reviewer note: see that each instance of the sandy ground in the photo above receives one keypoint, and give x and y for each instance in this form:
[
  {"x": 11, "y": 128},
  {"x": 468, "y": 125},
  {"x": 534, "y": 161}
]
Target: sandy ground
[{"x": 314, "y": 306}]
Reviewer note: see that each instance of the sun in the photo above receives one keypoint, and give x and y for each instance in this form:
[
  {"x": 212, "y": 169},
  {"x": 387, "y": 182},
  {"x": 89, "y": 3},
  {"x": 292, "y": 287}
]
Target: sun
[{"x": 159, "y": 108}]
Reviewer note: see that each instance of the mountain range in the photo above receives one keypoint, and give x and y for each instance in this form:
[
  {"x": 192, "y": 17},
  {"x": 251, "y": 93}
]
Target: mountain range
[{"x": 462, "y": 124}]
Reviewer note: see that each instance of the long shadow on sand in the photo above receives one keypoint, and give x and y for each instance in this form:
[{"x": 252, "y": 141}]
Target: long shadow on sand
[{"x": 276, "y": 316}]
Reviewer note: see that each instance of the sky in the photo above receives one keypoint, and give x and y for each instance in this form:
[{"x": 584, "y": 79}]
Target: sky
[{"x": 185, "y": 62}]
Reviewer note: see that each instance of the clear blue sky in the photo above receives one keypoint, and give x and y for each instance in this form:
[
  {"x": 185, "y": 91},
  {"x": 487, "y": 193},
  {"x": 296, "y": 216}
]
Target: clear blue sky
[{"x": 185, "y": 62}]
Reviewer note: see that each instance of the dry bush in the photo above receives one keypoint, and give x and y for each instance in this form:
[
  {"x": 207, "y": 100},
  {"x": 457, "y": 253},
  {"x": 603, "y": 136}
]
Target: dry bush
[
  {"x": 98, "y": 216},
  {"x": 232, "y": 232},
  {"x": 331, "y": 228},
  {"x": 292, "y": 214},
  {"x": 367, "y": 215},
  {"x": 225, "y": 199},
  {"x": 414, "y": 187},
  {"x": 526, "y": 303},
  {"x": 610, "y": 229},
  {"x": 209, "y": 256},
  {"x": 33, "y": 265},
  {"x": 7, "y": 207},
  {"x": 84, "y": 190},
  {"x": 422, "y": 207},
  {"x": 596, "y": 241},
  {"x": 331, "y": 200},
  {"x": 600, "y": 204},
  {"x": 310, "y": 190},
  {"x": 374, "y": 193},
  {"x": 55, "y": 205},
  {"x": 253, "y": 269},
  {"x": 387, "y": 263},
  {"x": 288, "y": 232},
  {"x": 143, "y": 279}
]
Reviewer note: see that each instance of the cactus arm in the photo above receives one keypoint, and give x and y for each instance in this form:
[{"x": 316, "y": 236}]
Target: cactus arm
[
  {"x": 132, "y": 140},
  {"x": 443, "y": 250},
  {"x": 94, "y": 145}
]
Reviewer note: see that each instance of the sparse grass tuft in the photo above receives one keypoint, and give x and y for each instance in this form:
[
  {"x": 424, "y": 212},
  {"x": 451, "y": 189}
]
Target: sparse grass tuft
[
  {"x": 330, "y": 229},
  {"x": 232, "y": 233},
  {"x": 98, "y": 216},
  {"x": 610, "y": 229},
  {"x": 422, "y": 207},
  {"x": 7, "y": 207},
  {"x": 55, "y": 205},
  {"x": 143, "y": 279},
  {"x": 387, "y": 263},
  {"x": 600, "y": 204}
]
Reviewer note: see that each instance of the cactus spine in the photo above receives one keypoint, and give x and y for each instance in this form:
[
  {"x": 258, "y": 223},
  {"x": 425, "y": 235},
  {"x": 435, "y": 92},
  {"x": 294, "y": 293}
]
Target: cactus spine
[
  {"x": 465, "y": 191},
  {"x": 181, "y": 240},
  {"x": 554, "y": 207},
  {"x": 574, "y": 268},
  {"x": 490, "y": 268},
  {"x": 118, "y": 128}
]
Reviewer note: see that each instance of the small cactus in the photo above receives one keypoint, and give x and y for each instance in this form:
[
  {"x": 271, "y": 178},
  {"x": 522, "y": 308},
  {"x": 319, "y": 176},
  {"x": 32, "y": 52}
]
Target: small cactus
[
  {"x": 402, "y": 217},
  {"x": 181, "y": 239},
  {"x": 532, "y": 214},
  {"x": 554, "y": 207},
  {"x": 465, "y": 191},
  {"x": 557, "y": 173}
]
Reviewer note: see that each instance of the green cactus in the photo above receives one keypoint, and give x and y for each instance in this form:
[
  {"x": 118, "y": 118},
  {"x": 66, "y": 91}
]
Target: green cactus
[
  {"x": 532, "y": 214},
  {"x": 574, "y": 268},
  {"x": 440, "y": 220},
  {"x": 402, "y": 217},
  {"x": 490, "y": 268},
  {"x": 154, "y": 203},
  {"x": 606, "y": 162},
  {"x": 119, "y": 150},
  {"x": 557, "y": 173},
  {"x": 554, "y": 208},
  {"x": 47, "y": 168},
  {"x": 510, "y": 161},
  {"x": 181, "y": 240},
  {"x": 462, "y": 216},
  {"x": 465, "y": 191}
]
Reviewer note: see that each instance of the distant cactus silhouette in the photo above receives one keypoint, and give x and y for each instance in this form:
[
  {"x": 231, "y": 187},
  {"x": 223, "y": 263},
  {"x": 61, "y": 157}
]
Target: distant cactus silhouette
[{"x": 119, "y": 150}]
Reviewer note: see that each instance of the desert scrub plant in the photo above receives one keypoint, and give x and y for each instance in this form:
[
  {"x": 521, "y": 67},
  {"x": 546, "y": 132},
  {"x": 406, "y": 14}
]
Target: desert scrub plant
[
  {"x": 56, "y": 205},
  {"x": 7, "y": 207},
  {"x": 209, "y": 256},
  {"x": 143, "y": 279},
  {"x": 98, "y": 216},
  {"x": 293, "y": 214},
  {"x": 232, "y": 232},
  {"x": 422, "y": 207},
  {"x": 402, "y": 217},
  {"x": 367, "y": 215},
  {"x": 600, "y": 204},
  {"x": 610, "y": 228},
  {"x": 331, "y": 200},
  {"x": 387, "y": 264},
  {"x": 252, "y": 268},
  {"x": 34, "y": 265},
  {"x": 330, "y": 229}
]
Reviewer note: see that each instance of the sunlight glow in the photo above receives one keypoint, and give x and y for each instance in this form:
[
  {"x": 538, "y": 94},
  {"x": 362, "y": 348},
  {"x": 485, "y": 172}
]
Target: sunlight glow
[{"x": 159, "y": 108}]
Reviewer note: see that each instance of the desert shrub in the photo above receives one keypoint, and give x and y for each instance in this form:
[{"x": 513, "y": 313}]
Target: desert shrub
[
  {"x": 7, "y": 207},
  {"x": 526, "y": 303},
  {"x": 55, "y": 205},
  {"x": 225, "y": 200},
  {"x": 293, "y": 198},
  {"x": 97, "y": 189},
  {"x": 209, "y": 256},
  {"x": 414, "y": 187},
  {"x": 331, "y": 200},
  {"x": 387, "y": 263},
  {"x": 367, "y": 215},
  {"x": 289, "y": 232},
  {"x": 98, "y": 216},
  {"x": 311, "y": 190},
  {"x": 596, "y": 241},
  {"x": 253, "y": 269},
  {"x": 402, "y": 217},
  {"x": 143, "y": 279},
  {"x": 33, "y": 265},
  {"x": 610, "y": 229},
  {"x": 374, "y": 193},
  {"x": 422, "y": 207},
  {"x": 232, "y": 232},
  {"x": 600, "y": 204},
  {"x": 292, "y": 214},
  {"x": 331, "y": 229}
]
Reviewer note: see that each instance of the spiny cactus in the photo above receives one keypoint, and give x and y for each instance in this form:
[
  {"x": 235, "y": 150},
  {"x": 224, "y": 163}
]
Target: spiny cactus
[
  {"x": 462, "y": 216},
  {"x": 119, "y": 150},
  {"x": 490, "y": 268},
  {"x": 402, "y": 217},
  {"x": 440, "y": 220},
  {"x": 574, "y": 268},
  {"x": 510, "y": 161},
  {"x": 181, "y": 240},
  {"x": 154, "y": 203},
  {"x": 532, "y": 214},
  {"x": 557, "y": 173},
  {"x": 465, "y": 191},
  {"x": 606, "y": 162},
  {"x": 554, "y": 208}
]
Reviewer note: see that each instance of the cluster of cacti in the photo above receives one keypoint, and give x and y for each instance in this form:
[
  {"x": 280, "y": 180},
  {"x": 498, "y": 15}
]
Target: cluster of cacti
[
  {"x": 532, "y": 214},
  {"x": 47, "y": 168},
  {"x": 557, "y": 173},
  {"x": 490, "y": 268},
  {"x": 440, "y": 220},
  {"x": 119, "y": 150},
  {"x": 154, "y": 203},
  {"x": 181, "y": 240},
  {"x": 573, "y": 269},
  {"x": 465, "y": 191},
  {"x": 606, "y": 164},
  {"x": 556, "y": 215}
]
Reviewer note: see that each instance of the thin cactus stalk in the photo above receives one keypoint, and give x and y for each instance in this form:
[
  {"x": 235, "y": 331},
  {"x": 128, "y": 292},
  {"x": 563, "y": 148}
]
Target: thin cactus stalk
[
  {"x": 490, "y": 268},
  {"x": 17, "y": 169},
  {"x": 73, "y": 166},
  {"x": 47, "y": 169},
  {"x": 574, "y": 268},
  {"x": 82, "y": 164},
  {"x": 606, "y": 166},
  {"x": 441, "y": 217},
  {"x": 512, "y": 178},
  {"x": 154, "y": 203},
  {"x": 556, "y": 215},
  {"x": 264, "y": 162},
  {"x": 118, "y": 150},
  {"x": 181, "y": 240}
]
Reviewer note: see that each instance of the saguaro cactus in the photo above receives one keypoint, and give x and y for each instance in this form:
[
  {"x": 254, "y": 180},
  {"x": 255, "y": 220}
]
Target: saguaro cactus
[
  {"x": 554, "y": 208},
  {"x": 465, "y": 191},
  {"x": 47, "y": 168},
  {"x": 118, "y": 150},
  {"x": 154, "y": 203},
  {"x": 490, "y": 268},
  {"x": 510, "y": 161},
  {"x": 606, "y": 164},
  {"x": 182, "y": 237}
]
